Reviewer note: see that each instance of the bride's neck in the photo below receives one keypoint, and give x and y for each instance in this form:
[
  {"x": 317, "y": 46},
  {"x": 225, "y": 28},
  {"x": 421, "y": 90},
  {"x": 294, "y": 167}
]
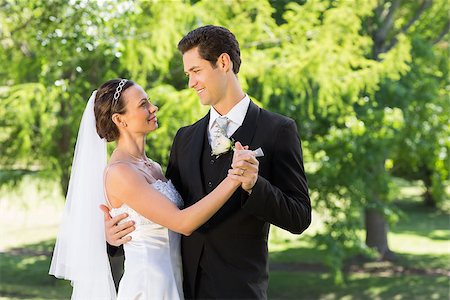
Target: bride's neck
[{"x": 133, "y": 146}]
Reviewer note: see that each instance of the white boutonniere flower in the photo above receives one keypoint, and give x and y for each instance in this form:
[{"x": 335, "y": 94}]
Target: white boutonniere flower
[{"x": 221, "y": 144}]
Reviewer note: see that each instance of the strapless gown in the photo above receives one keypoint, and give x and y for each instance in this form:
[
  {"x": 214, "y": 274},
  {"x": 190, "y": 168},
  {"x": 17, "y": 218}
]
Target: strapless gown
[{"x": 152, "y": 267}]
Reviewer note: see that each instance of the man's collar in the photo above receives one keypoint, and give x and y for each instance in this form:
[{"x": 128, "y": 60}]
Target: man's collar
[{"x": 236, "y": 114}]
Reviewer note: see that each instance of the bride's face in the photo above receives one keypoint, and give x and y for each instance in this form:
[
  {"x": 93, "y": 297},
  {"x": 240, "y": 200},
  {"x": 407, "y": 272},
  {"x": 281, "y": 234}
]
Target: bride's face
[{"x": 140, "y": 115}]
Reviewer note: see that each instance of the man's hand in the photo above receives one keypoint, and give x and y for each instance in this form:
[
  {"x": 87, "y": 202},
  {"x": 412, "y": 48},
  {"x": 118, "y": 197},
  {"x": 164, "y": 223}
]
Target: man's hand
[
  {"x": 245, "y": 167},
  {"x": 116, "y": 234}
]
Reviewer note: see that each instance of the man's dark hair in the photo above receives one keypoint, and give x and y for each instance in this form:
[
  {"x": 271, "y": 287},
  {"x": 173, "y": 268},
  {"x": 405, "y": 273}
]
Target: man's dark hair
[{"x": 212, "y": 41}]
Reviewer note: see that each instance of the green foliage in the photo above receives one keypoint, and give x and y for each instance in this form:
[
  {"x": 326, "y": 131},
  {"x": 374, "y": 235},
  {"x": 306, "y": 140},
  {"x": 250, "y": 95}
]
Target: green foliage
[
  {"x": 64, "y": 59},
  {"x": 367, "y": 88},
  {"x": 24, "y": 122},
  {"x": 423, "y": 145}
]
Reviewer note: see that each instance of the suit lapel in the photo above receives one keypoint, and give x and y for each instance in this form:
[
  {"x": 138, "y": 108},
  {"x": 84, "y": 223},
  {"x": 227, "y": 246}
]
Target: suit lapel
[
  {"x": 245, "y": 133},
  {"x": 195, "y": 154}
]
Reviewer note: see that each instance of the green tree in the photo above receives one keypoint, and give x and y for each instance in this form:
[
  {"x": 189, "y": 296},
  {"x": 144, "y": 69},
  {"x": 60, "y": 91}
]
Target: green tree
[
  {"x": 422, "y": 147},
  {"x": 321, "y": 73},
  {"x": 327, "y": 63},
  {"x": 366, "y": 82},
  {"x": 393, "y": 21},
  {"x": 57, "y": 53}
]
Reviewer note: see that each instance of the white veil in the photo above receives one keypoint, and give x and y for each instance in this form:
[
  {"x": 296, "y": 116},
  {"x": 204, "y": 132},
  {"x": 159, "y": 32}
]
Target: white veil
[{"x": 80, "y": 252}]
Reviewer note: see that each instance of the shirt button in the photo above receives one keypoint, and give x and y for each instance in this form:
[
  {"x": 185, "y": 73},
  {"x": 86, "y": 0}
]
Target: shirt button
[
  {"x": 212, "y": 161},
  {"x": 209, "y": 183}
]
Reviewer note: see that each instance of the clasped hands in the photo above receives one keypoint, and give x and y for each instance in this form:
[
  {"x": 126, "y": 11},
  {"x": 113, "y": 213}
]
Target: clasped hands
[{"x": 244, "y": 167}]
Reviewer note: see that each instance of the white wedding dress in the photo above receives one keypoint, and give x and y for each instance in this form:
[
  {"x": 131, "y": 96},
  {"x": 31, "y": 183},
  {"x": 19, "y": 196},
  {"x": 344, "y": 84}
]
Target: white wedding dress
[{"x": 153, "y": 268}]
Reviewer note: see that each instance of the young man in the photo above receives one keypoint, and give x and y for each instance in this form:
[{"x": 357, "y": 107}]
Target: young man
[{"x": 226, "y": 258}]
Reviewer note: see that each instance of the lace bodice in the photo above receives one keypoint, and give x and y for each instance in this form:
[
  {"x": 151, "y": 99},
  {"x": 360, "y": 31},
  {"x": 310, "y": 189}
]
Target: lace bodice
[{"x": 165, "y": 188}]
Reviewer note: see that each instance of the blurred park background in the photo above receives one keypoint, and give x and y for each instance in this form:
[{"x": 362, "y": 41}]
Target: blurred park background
[{"x": 366, "y": 81}]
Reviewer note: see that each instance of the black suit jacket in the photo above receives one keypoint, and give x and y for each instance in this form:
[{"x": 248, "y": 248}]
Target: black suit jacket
[{"x": 234, "y": 241}]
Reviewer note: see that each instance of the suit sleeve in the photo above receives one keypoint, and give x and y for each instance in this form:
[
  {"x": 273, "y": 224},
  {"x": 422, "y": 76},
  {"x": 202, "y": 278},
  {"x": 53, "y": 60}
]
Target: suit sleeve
[
  {"x": 114, "y": 251},
  {"x": 173, "y": 172},
  {"x": 284, "y": 201}
]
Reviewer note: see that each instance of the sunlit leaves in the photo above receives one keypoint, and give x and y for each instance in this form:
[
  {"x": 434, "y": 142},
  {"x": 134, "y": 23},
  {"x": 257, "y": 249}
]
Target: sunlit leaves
[{"x": 362, "y": 114}]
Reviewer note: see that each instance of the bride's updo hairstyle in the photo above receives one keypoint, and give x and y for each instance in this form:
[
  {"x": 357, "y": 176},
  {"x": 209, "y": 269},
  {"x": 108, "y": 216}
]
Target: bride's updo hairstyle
[{"x": 106, "y": 104}]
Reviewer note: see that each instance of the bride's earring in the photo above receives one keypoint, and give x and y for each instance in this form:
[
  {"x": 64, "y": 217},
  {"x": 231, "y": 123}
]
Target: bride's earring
[{"x": 124, "y": 124}]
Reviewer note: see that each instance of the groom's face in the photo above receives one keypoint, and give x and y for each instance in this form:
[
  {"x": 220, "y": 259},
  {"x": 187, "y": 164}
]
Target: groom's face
[{"x": 209, "y": 82}]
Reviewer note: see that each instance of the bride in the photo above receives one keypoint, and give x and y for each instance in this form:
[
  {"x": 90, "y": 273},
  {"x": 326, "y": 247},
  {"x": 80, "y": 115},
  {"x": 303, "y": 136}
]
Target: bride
[{"x": 134, "y": 184}]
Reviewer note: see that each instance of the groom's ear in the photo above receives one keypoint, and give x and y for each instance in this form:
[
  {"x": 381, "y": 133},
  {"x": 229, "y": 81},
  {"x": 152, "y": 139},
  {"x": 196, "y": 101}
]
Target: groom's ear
[{"x": 225, "y": 62}]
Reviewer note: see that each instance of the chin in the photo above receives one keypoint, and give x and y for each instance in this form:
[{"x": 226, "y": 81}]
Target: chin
[
  {"x": 152, "y": 128},
  {"x": 205, "y": 101}
]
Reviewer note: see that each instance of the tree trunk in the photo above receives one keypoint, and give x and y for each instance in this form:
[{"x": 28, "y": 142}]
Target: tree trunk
[
  {"x": 428, "y": 198},
  {"x": 429, "y": 201},
  {"x": 376, "y": 233},
  {"x": 64, "y": 147},
  {"x": 64, "y": 183}
]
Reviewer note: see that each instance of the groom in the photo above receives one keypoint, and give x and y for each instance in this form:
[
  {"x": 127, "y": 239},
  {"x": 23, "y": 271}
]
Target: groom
[{"x": 226, "y": 258}]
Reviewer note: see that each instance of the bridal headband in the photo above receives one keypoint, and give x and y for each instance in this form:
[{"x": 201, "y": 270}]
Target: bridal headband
[{"x": 118, "y": 91}]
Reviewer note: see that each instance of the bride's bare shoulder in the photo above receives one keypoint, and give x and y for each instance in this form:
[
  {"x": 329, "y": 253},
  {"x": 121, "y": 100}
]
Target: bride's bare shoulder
[
  {"x": 120, "y": 171},
  {"x": 121, "y": 181}
]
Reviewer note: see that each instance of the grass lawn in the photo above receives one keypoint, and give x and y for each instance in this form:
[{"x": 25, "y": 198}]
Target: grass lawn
[
  {"x": 421, "y": 241},
  {"x": 310, "y": 285}
]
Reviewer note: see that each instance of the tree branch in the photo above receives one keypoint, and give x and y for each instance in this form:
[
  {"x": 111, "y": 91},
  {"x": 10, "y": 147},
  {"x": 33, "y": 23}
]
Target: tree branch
[
  {"x": 379, "y": 36},
  {"x": 387, "y": 22},
  {"x": 18, "y": 28},
  {"x": 3, "y": 4},
  {"x": 271, "y": 42},
  {"x": 441, "y": 35},
  {"x": 425, "y": 5},
  {"x": 21, "y": 26}
]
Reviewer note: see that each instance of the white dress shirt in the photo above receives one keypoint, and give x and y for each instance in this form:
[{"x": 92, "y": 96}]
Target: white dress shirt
[{"x": 236, "y": 116}]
